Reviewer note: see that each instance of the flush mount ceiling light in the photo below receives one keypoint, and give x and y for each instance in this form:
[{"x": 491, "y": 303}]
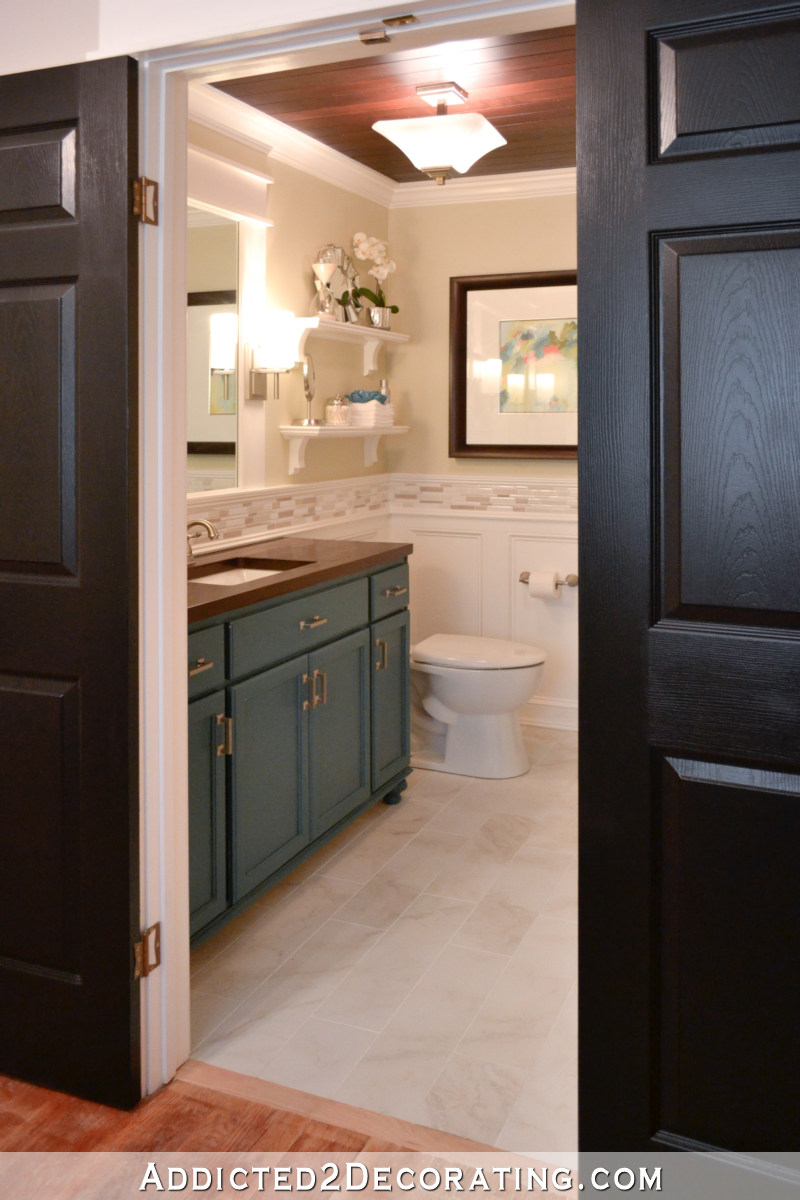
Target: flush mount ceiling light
[{"x": 445, "y": 143}]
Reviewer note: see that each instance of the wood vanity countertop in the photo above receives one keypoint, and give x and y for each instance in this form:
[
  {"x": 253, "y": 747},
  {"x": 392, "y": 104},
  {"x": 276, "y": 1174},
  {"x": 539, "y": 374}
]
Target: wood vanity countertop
[{"x": 320, "y": 560}]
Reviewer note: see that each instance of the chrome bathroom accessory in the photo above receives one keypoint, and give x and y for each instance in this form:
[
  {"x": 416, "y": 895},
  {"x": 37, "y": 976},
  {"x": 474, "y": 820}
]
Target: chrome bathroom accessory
[
  {"x": 568, "y": 581},
  {"x": 200, "y": 523}
]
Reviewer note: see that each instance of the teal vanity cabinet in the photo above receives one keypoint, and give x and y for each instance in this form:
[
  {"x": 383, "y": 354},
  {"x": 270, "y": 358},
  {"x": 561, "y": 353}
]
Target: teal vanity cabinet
[{"x": 312, "y": 725}]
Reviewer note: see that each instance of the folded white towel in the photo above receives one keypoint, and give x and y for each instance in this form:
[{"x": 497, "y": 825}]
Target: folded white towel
[{"x": 372, "y": 413}]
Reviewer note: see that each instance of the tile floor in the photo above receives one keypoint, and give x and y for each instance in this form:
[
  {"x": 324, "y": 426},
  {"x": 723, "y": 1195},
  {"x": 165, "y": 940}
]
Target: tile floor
[{"x": 422, "y": 964}]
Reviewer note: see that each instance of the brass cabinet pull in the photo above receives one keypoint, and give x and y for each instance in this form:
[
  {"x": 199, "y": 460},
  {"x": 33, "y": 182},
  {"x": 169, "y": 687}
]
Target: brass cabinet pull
[
  {"x": 383, "y": 662},
  {"x": 395, "y": 591},
  {"x": 314, "y": 623},
  {"x": 227, "y": 742},
  {"x": 307, "y": 704},
  {"x": 322, "y": 697},
  {"x": 200, "y": 666}
]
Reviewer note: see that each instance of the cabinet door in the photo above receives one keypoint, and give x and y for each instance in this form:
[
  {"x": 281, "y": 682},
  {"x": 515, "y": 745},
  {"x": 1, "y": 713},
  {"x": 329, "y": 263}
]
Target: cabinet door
[
  {"x": 390, "y": 697},
  {"x": 269, "y": 789},
  {"x": 339, "y": 730},
  {"x": 207, "y": 834}
]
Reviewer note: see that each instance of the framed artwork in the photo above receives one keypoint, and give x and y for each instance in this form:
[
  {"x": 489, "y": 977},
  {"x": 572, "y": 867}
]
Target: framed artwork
[{"x": 514, "y": 365}]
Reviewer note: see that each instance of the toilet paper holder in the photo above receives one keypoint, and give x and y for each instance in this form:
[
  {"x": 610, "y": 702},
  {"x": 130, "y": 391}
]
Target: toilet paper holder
[{"x": 568, "y": 581}]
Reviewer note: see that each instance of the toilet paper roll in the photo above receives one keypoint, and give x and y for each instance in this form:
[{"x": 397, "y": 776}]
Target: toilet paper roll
[{"x": 542, "y": 585}]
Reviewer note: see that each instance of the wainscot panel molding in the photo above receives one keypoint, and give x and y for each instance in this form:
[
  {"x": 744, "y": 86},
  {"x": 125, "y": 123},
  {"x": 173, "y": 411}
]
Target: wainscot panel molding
[{"x": 473, "y": 537}]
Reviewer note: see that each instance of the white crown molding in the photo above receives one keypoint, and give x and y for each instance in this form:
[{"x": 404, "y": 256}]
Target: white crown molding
[
  {"x": 221, "y": 112},
  {"x": 525, "y": 185}
]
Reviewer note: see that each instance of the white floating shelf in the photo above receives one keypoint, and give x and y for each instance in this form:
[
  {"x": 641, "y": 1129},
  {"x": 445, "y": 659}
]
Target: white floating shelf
[
  {"x": 298, "y": 437},
  {"x": 343, "y": 331}
]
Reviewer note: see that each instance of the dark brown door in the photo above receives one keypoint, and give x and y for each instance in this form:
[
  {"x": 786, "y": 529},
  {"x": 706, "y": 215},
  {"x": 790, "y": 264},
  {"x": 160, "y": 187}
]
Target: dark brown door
[
  {"x": 69, "y": 1014},
  {"x": 689, "y": 282}
]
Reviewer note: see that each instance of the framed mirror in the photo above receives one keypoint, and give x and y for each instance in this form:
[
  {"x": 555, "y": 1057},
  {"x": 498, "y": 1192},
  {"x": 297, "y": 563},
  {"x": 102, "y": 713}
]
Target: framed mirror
[{"x": 211, "y": 366}]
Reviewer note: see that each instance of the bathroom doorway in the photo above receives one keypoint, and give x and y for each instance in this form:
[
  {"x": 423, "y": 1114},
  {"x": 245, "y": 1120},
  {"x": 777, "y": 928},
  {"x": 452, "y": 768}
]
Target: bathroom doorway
[{"x": 429, "y": 810}]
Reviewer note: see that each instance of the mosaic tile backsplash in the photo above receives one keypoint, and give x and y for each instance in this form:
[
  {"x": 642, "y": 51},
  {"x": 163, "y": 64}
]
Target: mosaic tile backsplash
[{"x": 250, "y": 515}]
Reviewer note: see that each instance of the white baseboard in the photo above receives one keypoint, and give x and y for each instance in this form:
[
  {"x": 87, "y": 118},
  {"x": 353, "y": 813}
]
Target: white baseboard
[{"x": 552, "y": 714}]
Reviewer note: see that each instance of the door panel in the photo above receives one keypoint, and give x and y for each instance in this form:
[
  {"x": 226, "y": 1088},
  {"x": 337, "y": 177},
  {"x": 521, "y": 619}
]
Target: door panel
[
  {"x": 338, "y": 725},
  {"x": 208, "y": 843},
  {"x": 69, "y": 1006},
  {"x": 391, "y": 730},
  {"x": 689, "y": 123},
  {"x": 269, "y": 785}
]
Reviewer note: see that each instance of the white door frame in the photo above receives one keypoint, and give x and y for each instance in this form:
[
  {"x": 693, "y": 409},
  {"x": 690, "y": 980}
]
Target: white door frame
[{"x": 164, "y": 78}]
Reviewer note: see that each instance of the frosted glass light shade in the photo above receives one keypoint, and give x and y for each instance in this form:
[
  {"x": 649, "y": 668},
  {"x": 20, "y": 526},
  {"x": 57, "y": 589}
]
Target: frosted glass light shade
[
  {"x": 277, "y": 349},
  {"x": 454, "y": 140},
  {"x": 223, "y": 338}
]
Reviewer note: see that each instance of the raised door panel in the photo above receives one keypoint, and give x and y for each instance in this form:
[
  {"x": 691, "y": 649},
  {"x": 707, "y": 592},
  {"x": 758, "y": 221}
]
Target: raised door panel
[
  {"x": 69, "y": 693},
  {"x": 207, "y": 812},
  {"x": 269, "y": 786},
  {"x": 390, "y": 672},
  {"x": 339, "y": 730},
  {"x": 690, "y": 602}
]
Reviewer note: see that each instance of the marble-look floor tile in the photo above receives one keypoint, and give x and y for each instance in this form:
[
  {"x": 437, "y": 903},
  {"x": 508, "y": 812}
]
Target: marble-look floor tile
[
  {"x": 420, "y": 859},
  {"x": 371, "y": 994},
  {"x": 207, "y": 1014},
  {"x": 319, "y": 1057},
  {"x": 248, "y": 961},
  {"x": 515, "y": 1020},
  {"x": 423, "y": 963},
  {"x": 473, "y": 1098},
  {"x": 379, "y": 903},
  {"x": 549, "y": 948},
  {"x": 393, "y": 1077},
  {"x": 291, "y": 995},
  {"x": 447, "y": 998}
]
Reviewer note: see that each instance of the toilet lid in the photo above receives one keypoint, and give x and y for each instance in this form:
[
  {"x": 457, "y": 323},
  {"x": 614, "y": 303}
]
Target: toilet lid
[{"x": 476, "y": 653}]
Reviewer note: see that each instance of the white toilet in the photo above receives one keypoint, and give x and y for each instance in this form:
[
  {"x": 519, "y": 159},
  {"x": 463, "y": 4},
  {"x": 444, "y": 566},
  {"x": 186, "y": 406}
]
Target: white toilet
[{"x": 465, "y": 692}]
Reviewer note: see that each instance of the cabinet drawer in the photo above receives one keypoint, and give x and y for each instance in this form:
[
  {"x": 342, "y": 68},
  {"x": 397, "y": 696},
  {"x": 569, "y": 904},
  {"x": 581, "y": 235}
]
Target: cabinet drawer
[
  {"x": 388, "y": 591},
  {"x": 278, "y": 633},
  {"x": 206, "y": 660}
]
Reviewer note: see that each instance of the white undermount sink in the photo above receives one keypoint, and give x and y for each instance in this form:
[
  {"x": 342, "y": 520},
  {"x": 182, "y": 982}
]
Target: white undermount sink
[
  {"x": 232, "y": 576},
  {"x": 238, "y": 571}
]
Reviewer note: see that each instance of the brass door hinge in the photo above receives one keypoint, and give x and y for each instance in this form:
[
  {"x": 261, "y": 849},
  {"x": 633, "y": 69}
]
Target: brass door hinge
[
  {"x": 226, "y": 745},
  {"x": 145, "y": 200},
  {"x": 147, "y": 952}
]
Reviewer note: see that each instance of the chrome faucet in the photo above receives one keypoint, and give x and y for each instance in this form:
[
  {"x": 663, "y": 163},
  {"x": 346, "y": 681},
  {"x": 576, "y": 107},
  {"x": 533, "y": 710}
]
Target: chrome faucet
[{"x": 211, "y": 530}]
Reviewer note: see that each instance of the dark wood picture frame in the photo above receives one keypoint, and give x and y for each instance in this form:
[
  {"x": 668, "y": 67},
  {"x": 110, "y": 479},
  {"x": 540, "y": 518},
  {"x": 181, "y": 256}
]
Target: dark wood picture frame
[{"x": 460, "y": 288}]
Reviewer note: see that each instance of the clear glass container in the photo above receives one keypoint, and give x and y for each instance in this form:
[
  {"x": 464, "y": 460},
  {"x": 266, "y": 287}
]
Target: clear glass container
[{"x": 337, "y": 410}]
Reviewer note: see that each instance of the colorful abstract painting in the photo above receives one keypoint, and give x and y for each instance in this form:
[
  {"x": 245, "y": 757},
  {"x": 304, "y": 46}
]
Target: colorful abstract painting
[{"x": 539, "y": 366}]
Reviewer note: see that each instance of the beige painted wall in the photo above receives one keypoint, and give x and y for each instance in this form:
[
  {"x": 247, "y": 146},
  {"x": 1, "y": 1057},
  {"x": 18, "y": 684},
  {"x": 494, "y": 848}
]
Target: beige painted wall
[
  {"x": 430, "y": 245},
  {"x": 307, "y": 215}
]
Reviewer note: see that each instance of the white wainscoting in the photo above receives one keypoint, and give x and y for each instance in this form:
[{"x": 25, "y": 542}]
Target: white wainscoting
[
  {"x": 465, "y": 579},
  {"x": 472, "y": 539}
]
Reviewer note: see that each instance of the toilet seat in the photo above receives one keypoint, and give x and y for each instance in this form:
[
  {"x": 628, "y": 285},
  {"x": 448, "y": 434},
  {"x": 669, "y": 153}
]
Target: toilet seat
[{"x": 475, "y": 653}]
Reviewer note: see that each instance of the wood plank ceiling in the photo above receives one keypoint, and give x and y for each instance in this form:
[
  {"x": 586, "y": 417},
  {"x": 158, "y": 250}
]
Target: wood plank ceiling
[{"x": 524, "y": 84}]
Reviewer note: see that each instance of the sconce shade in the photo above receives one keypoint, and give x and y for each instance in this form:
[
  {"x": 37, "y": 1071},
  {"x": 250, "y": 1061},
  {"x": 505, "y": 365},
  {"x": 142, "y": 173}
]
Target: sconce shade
[
  {"x": 277, "y": 350},
  {"x": 454, "y": 140},
  {"x": 224, "y": 336}
]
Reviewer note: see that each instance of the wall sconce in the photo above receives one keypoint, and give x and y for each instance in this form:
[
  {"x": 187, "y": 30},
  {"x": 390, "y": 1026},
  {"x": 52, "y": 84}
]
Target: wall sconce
[
  {"x": 223, "y": 343},
  {"x": 274, "y": 355},
  {"x": 440, "y": 145}
]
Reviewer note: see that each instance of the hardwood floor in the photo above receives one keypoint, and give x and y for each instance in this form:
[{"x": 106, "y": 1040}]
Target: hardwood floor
[{"x": 208, "y": 1109}]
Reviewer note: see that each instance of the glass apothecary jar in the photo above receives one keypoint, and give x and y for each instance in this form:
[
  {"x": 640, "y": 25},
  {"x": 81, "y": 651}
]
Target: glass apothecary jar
[{"x": 337, "y": 410}]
